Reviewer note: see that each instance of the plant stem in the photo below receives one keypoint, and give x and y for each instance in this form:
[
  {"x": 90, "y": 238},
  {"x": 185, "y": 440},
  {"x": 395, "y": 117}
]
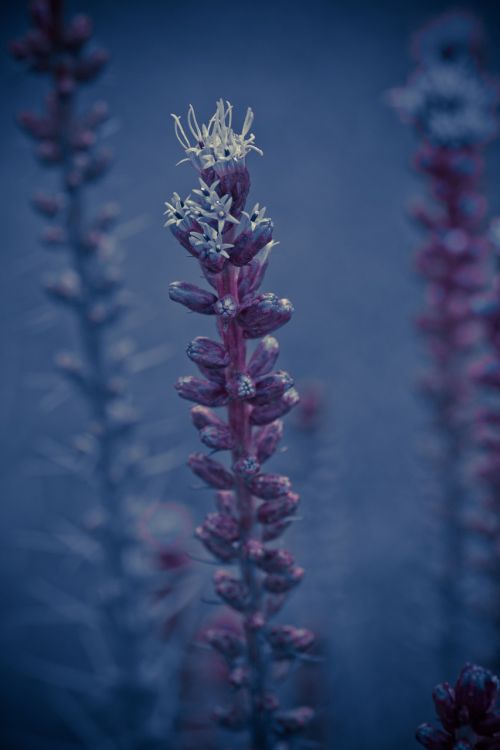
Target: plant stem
[
  {"x": 238, "y": 413},
  {"x": 113, "y": 533}
]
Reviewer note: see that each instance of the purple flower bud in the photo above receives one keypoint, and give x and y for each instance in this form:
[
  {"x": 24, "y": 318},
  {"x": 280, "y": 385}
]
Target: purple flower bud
[
  {"x": 264, "y": 314},
  {"x": 241, "y": 387},
  {"x": 196, "y": 299},
  {"x": 72, "y": 368},
  {"x": 234, "y": 719},
  {"x": 90, "y": 66},
  {"x": 49, "y": 152},
  {"x": 282, "y": 584},
  {"x": 78, "y": 32},
  {"x": 239, "y": 677},
  {"x": 287, "y": 641},
  {"x": 246, "y": 467},
  {"x": 201, "y": 391},
  {"x": 273, "y": 531},
  {"x": 222, "y": 526},
  {"x": 444, "y": 701},
  {"x": 274, "y": 511},
  {"x": 201, "y": 417},
  {"x": 433, "y": 739},
  {"x": 40, "y": 128},
  {"x": 226, "y": 642},
  {"x": 54, "y": 236},
  {"x": 208, "y": 353},
  {"x": 267, "y": 440},
  {"x": 217, "y": 437},
  {"x": 276, "y": 560},
  {"x": 264, "y": 357},
  {"x": 262, "y": 415},
  {"x": 64, "y": 287},
  {"x": 232, "y": 591},
  {"x": 243, "y": 249},
  {"x": 48, "y": 205},
  {"x": 83, "y": 139},
  {"x": 294, "y": 720},
  {"x": 270, "y": 486},
  {"x": 271, "y": 387},
  {"x": 476, "y": 691},
  {"x": 254, "y": 550},
  {"x": 255, "y": 621},
  {"x": 486, "y": 371},
  {"x": 212, "y": 472},
  {"x": 219, "y": 548},
  {"x": 214, "y": 374},
  {"x": 226, "y": 503},
  {"x": 234, "y": 180},
  {"x": 226, "y": 308},
  {"x": 252, "y": 275},
  {"x": 256, "y": 231}
]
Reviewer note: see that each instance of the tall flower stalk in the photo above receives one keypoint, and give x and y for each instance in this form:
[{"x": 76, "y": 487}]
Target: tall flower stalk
[
  {"x": 89, "y": 282},
  {"x": 451, "y": 105},
  {"x": 253, "y": 507}
]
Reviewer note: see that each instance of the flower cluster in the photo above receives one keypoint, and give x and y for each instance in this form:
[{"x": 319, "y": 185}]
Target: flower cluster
[
  {"x": 452, "y": 107},
  {"x": 468, "y": 714},
  {"x": 253, "y": 507},
  {"x": 485, "y": 372},
  {"x": 448, "y": 98}
]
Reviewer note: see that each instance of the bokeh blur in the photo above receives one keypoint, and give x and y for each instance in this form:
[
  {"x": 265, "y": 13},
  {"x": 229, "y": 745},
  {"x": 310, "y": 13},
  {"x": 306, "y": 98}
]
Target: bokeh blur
[{"x": 336, "y": 179}]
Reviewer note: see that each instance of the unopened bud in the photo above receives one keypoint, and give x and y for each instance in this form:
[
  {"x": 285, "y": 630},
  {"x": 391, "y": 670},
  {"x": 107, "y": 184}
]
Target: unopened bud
[
  {"x": 264, "y": 357},
  {"x": 270, "y": 486},
  {"x": 274, "y": 511},
  {"x": 232, "y": 591},
  {"x": 262, "y": 415},
  {"x": 264, "y": 314},
  {"x": 201, "y": 391},
  {"x": 267, "y": 440},
  {"x": 210, "y": 471},
  {"x": 271, "y": 387},
  {"x": 196, "y": 299},
  {"x": 208, "y": 353}
]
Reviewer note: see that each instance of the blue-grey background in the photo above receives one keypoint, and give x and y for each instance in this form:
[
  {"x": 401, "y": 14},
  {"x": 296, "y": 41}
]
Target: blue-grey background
[{"x": 335, "y": 179}]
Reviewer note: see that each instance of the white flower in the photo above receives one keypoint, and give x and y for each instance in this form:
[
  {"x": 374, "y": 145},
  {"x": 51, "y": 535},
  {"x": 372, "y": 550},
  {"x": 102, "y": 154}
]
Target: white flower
[
  {"x": 454, "y": 105},
  {"x": 177, "y": 211},
  {"x": 213, "y": 207},
  {"x": 216, "y": 144},
  {"x": 210, "y": 241}
]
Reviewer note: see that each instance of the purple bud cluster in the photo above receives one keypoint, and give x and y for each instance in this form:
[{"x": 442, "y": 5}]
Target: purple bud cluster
[
  {"x": 254, "y": 507},
  {"x": 468, "y": 713},
  {"x": 88, "y": 279},
  {"x": 57, "y": 50}
]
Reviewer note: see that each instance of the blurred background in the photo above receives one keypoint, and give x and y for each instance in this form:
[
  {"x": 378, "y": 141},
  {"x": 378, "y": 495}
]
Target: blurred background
[{"x": 336, "y": 179}]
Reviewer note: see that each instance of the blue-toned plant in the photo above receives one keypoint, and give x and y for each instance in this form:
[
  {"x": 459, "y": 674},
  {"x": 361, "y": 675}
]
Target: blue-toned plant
[
  {"x": 451, "y": 105},
  {"x": 127, "y": 602},
  {"x": 232, "y": 246}
]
